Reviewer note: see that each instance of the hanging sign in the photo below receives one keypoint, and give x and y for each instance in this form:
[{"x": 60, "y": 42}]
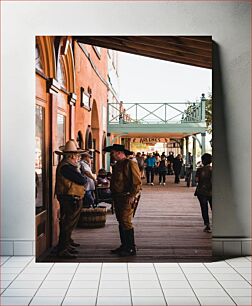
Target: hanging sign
[{"x": 150, "y": 140}]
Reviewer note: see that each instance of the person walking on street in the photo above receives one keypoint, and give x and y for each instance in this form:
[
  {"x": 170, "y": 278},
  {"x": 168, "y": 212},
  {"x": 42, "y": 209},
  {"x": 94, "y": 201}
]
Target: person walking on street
[
  {"x": 177, "y": 165},
  {"x": 157, "y": 158},
  {"x": 125, "y": 186},
  {"x": 162, "y": 169},
  {"x": 69, "y": 189},
  {"x": 90, "y": 186},
  {"x": 140, "y": 162},
  {"x": 150, "y": 168},
  {"x": 170, "y": 159},
  {"x": 203, "y": 190},
  {"x": 188, "y": 169}
]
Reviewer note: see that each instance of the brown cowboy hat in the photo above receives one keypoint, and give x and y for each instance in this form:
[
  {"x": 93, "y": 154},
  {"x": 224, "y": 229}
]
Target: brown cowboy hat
[
  {"x": 117, "y": 147},
  {"x": 70, "y": 147}
]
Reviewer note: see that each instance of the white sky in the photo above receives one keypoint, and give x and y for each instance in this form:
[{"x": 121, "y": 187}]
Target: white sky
[{"x": 144, "y": 79}]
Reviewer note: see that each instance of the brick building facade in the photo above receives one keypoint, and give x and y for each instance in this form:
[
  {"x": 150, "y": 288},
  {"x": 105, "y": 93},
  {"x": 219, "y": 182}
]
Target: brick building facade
[{"x": 73, "y": 88}]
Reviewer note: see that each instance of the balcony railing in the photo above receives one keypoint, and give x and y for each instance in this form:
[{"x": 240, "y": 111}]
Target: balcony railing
[{"x": 156, "y": 113}]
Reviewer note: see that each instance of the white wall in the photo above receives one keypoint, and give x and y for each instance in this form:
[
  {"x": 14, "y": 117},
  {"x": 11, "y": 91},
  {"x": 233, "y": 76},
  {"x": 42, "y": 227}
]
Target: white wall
[{"x": 229, "y": 25}]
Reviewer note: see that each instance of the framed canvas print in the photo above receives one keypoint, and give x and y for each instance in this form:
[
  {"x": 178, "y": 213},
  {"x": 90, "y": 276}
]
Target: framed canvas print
[{"x": 131, "y": 119}]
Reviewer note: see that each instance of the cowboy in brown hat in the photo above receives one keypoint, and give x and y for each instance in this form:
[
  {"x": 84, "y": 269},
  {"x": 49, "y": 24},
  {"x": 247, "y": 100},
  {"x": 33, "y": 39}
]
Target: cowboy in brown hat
[
  {"x": 70, "y": 191},
  {"x": 125, "y": 187}
]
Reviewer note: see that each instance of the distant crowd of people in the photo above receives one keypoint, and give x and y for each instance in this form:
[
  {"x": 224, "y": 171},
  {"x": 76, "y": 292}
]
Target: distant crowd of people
[{"x": 152, "y": 164}]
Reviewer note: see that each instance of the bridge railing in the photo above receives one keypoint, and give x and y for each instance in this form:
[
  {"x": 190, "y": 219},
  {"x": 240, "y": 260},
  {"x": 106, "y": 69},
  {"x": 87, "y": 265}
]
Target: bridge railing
[{"x": 156, "y": 113}]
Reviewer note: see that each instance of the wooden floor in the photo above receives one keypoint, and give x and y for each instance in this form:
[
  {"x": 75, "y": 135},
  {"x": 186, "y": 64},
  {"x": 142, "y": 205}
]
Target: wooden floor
[{"x": 168, "y": 228}]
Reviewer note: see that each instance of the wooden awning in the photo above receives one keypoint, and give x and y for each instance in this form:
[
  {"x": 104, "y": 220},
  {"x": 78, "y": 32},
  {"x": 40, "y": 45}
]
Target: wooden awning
[{"x": 189, "y": 50}]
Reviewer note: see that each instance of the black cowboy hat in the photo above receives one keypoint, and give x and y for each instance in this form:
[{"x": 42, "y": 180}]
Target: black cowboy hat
[{"x": 117, "y": 147}]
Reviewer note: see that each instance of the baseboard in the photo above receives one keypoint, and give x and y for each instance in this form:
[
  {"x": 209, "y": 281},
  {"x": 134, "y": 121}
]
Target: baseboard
[
  {"x": 222, "y": 247},
  {"x": 17, "y": 247},
  {"x": 231, "y": 247}
]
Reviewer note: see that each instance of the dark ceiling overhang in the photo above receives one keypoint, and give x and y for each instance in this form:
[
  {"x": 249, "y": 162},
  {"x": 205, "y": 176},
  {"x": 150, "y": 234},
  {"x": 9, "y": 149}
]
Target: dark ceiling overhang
[{"x": 189, "y": 50}]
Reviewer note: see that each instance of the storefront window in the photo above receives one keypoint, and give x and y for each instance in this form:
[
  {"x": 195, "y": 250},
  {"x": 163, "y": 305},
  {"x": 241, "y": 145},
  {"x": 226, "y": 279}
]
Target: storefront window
[
  {"x": 93, "y": 161},
  {"x": 61, "y": 73},
  {"x": 39, "y": 158},
  {"x": 104, "y": 153},
  {"x": 39, "y": 63},
  {"x": 61, "y": 130}
]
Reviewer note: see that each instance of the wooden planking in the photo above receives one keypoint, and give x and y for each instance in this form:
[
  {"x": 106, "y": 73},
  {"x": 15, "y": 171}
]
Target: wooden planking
[
  {"x": 168, "y": 228},
  {"x": 190, "y": 50}
]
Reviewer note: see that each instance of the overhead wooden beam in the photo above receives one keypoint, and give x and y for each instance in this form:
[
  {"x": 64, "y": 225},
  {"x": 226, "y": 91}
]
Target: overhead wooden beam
[
  {"x": 166, "y": 41},
  {"x": 177, "y": 49},
  {"x": 161, "y": 47},
  {"x": 143, "y": 48}
]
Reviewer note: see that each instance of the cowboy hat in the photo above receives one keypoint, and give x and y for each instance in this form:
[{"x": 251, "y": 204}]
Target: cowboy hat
[
  {"x": 85, "y": 154},
  {"x": 117, "y": 147},
  {"x": 70, "y": 147}
]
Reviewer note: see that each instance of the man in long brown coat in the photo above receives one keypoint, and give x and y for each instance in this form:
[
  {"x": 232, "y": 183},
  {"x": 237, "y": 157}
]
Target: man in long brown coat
[{"x": 125, "y": 187}]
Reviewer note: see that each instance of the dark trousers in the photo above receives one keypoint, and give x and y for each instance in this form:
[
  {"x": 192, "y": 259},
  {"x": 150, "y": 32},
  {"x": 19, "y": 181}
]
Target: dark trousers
[
  {"x": 162, "y": 176},
  {"x": 150, "y": 174},
  {"x": 89, "y": 198},
  {"x": 204, "y": 201},
  {"x": 177, "y": 173},
  {"x": 70, "y": 210},
  {"x": 170, "y": 171}
]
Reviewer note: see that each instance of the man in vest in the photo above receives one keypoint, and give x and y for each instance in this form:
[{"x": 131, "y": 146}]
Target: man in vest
[
  {"x": 70, "y": 191},
  {"x": 125, "y": 186}
]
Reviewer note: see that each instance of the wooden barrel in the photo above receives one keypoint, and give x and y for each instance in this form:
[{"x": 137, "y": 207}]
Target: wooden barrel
[{"x": 92, "y": 217}]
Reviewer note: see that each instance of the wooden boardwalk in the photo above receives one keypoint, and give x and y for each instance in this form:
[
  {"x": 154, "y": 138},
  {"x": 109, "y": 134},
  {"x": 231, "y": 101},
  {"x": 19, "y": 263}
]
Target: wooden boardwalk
[{"x": 168, "y": 228}]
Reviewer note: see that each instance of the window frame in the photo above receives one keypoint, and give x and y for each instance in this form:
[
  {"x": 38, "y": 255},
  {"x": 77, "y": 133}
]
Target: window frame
[{"x": 85, "y": 100}]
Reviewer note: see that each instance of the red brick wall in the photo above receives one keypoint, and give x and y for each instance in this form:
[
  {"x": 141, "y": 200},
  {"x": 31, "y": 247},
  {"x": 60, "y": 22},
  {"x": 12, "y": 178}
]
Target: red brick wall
[{"x": 87, "y": 77}]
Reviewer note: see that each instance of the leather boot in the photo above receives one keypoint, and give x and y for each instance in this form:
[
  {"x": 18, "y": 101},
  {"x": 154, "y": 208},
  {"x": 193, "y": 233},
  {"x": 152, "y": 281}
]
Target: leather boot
[
  {"x": 74, "y": 244},
  {"x": 130, "y": 247},
  {"x": 66, "y": 254},
  {"x": 72, "y": 250},
  {"x": 122, "y": 238}
]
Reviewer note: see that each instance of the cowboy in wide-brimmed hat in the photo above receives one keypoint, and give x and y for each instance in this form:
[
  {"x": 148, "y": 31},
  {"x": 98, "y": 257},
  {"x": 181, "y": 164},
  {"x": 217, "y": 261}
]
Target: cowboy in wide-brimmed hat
[
  {"x": 70, "y": 190},
  {"x": 70, "y": 148},
  {"x": 125, "y": 186},
  {"x": 118, "y": 148}
]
